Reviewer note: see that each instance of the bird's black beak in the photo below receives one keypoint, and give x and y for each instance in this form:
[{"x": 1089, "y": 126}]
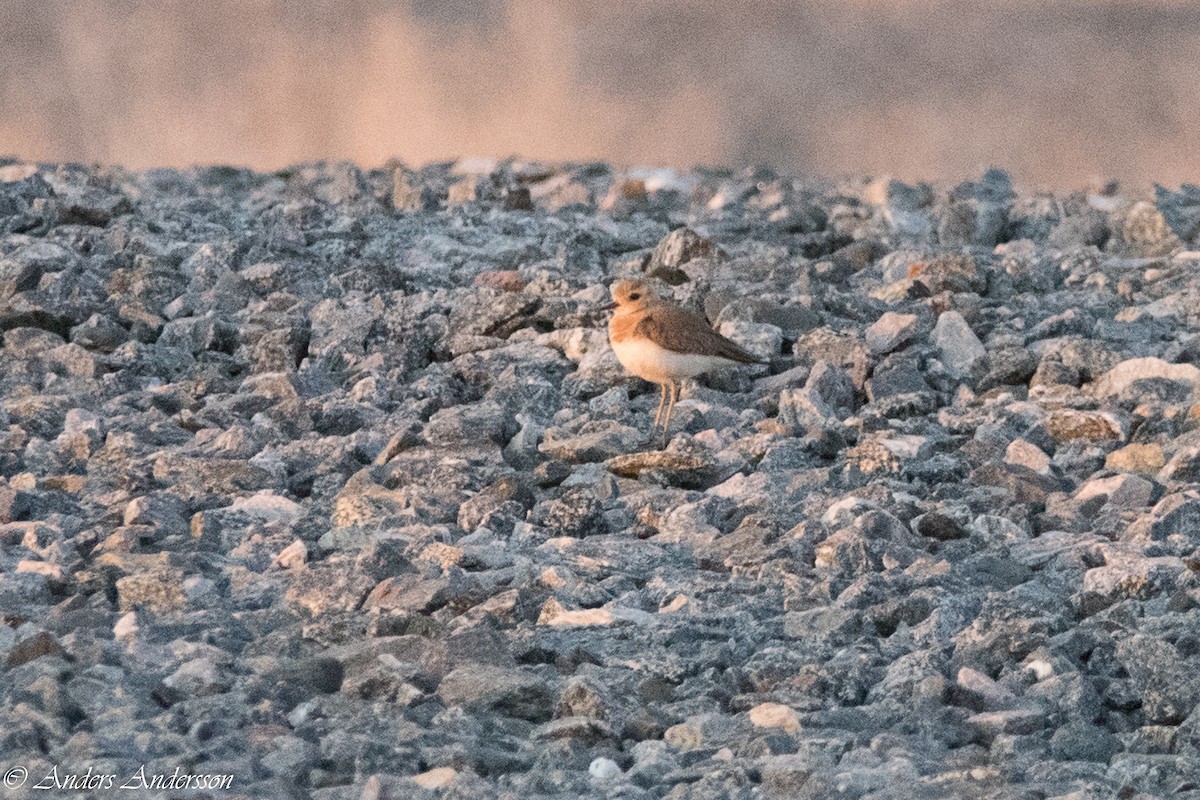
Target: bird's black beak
[{"x": 608, "y": 306}]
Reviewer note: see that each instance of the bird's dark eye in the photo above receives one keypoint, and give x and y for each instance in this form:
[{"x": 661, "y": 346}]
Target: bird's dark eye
[{"x": 635, "y": 296}]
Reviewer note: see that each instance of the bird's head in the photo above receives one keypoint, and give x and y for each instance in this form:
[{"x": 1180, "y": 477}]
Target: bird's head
[{"x": 631, "y": 295}]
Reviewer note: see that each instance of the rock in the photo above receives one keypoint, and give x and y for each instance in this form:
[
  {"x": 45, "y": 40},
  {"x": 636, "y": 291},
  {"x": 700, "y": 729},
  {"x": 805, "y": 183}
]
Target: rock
[
  {"x": 498, "y": 506},
  {"x": 1022, "y": 483},
  {"x": 199, "y": 677},
  {"x": 1180, "y": 210},
  {"x": 158, "y": 591},
  {"x": 784, "y": 776},
  {"x": 1026, "y": 454},
  {"x": 508, "y": 691},
  {"x": 682, "y": 466},
  {"x": 34, "y": 647},
  {"x": 948, "y": 273},
  {"x": 939, "y": 527},
  {"x": 436, "y": 778},
  {"x": 1172, "y": 518},
  {"x": 890, "y": 332},
  {"x": 1141, "y": 459},
  {"x": 1067, "y": 425},
  {"x": 407, "y": 196},
  {"x": 758, "y": 338},
  {"x": 1079, "y": 741},
  {"x": 466, "y": 424},
  {"x": 977, "y": 691},
  {"x": 1009, "y": 366},
  {"x": 1183, "y": 466},
  {"x": 292, "y": 556},
  {"x": 908, "y": 209},
  {"x": 679, "y": 247},
  {"x": 959, "y": 348},
  {"x": 1088, "y": 229},
  {"x": 899, "y": 390},
  {"x": 327, "y": 586},
  {"x": 1161, "y": 676},
  {"x": 604, "y": 770},
  {"x": 1132, "y": 576},
  {"x": 577, "y": 513},
  {"x": 827, "y": 397},
  {"x": 1013, "y": 722},
  {"x": 595, "y": 441},
  {"x": 845, "y": 352},
  {"x": 1144, "y": 232},
  {"x": 1126, "y": 375},
  {"x": 775, "y": 715},
  {"x": 506, "y": 280},
  {"x": 554, "y": 615},
  {"x": 1118, "y": 491}
]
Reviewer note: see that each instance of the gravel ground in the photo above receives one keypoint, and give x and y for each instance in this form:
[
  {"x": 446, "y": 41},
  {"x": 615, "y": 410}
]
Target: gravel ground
[{"x": 328, "y": 480}]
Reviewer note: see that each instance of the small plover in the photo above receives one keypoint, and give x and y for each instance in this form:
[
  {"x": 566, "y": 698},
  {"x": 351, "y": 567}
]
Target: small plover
[{"x": 663, "y": 343}]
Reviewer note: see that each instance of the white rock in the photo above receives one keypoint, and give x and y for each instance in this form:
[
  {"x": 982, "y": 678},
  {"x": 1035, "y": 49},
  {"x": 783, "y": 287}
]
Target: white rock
[
  {"x": 603, "y": 769},
  {"x": 267, "y": 506},
  {"x": 1041, "y": 668},
  {"x": 47, "y": 569},
  {"x": 126, "y": 627},
  {"x": 1122, "y": 491},
  {"x": 959, "y": 347},
  {"x": 775, "y": 715},
  {"x": 198, "y": 677},
  {"x": 554, "y": 615},
  {"x": 890, "y": 331},
  {"x": 905, "y": 445},
  {"x": 998, "y": 531},
  {"x": 994, "y": 696},
  {"x": 436, "y": 778},
  {"x": 679, "y": 602},
  {"x": 846, "y": 510},
  {"x": 1026, "y": 454},
  {"x": 80, "y": 420},
  {"x": 294, "y": 555},
  {"x": 1133, "y": 575},
  {"x": 1124, "y": 374},
  {"x": 8, "y": 639}
]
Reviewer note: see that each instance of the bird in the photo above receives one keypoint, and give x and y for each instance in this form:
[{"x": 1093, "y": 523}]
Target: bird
[{"x": 663, "y": 343}]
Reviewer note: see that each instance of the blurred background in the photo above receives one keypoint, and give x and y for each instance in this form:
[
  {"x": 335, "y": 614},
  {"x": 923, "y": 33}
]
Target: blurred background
[{"x": 1060, "y": 93}]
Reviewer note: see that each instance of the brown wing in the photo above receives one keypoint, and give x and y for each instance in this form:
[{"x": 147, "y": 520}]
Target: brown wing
[{"x": 680, "y": 330}]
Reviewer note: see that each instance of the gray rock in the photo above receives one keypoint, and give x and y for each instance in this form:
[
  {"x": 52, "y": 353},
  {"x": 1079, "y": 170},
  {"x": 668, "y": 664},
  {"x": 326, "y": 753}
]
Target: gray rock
[
  {"x": 846, "y": 352},
  {"x": 594, "y": 441},
  {"x": 890, "y": 332},
  {"x": 960, "y": 349},
  {"x": 909, "y": 209},
  {"x": 510, "y": 691},
  {"x": 899, "y": 389},
  {"x": 678, "y": 248},
  {"x": 1161, "y": 676},
  {"x": 1181, "y": 209},
  {"x": 1079, "y": 741},
  {"x": 1087, "y": 229},
  {"x": 576, "y": 513}
]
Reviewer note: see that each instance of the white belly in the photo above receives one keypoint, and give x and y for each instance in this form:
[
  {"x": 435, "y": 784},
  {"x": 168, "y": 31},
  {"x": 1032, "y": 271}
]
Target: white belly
[{"x": 659, "y": 365}]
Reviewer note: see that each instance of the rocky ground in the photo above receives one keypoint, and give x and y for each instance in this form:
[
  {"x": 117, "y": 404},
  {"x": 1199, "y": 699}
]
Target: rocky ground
[{"x": 328, "y": 480}]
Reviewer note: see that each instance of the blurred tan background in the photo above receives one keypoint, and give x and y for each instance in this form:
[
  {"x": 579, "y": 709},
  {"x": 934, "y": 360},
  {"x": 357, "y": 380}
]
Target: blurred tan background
[{"x": 1057, "y": 92}]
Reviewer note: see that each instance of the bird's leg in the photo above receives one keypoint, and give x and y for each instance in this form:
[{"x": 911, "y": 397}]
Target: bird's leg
[
  {"x": 662, "y": 400},
  {"x": 670, "y": 409}
]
